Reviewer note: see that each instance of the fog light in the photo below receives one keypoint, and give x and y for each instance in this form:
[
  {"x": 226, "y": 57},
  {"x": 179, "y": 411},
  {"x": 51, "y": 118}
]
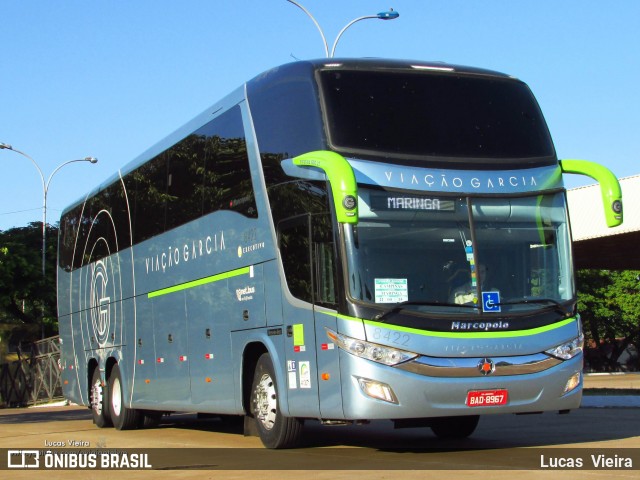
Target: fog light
[
  {"x": 378, "y": 390},
  {"x": 572, "y": 383}
]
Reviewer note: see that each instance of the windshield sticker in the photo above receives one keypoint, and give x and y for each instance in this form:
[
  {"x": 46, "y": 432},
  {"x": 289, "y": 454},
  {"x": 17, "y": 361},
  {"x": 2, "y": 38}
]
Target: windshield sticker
[
  {"x": 472, "y": 264},
  {"x": 491, "y": 302},
  {"x": 391, "y": 290}
]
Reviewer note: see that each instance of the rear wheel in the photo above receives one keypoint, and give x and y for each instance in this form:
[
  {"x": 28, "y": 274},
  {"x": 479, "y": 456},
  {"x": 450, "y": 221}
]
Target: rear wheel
[
  {"x": 123, "y": 418},
  {"x": 99, "y": 403},
  {"x": 275, "y": 430},
  {"x": 454, "y": 427}
]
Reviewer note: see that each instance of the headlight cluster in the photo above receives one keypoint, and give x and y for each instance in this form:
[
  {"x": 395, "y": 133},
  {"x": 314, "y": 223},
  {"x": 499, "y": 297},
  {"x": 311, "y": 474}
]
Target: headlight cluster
[
  {"x": 370, "y": 351},
  {"x": 568, "y": 350}
]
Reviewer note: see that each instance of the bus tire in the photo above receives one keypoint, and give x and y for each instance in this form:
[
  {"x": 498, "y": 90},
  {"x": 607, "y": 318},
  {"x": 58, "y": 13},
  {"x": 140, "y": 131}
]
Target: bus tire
[
  {"x": 123, "y": 418},
  {"x": 275, "y": 430},
  {"x": 454, "y": 427},
  {"x": 99, "y": 401}
]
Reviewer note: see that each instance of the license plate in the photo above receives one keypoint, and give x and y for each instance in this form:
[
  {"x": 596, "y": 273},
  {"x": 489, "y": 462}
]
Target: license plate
[{"x": 487, "y": 398}]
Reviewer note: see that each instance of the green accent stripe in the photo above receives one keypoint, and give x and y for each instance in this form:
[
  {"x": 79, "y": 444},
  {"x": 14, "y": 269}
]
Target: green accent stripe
[
  {"x": 428, "y": 333},
  {"x": 197, "y": 283}
]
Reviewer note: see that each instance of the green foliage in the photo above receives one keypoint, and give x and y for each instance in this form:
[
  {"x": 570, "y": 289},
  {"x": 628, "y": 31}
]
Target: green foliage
[
  {"x": 26, "y": 299},
  {"x": 609, "y": 303}
]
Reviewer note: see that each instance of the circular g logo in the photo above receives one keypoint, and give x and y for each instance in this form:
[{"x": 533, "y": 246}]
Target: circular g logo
[
  {"x": 101, "y": 283},
  {"x": 99, "y": 301}
]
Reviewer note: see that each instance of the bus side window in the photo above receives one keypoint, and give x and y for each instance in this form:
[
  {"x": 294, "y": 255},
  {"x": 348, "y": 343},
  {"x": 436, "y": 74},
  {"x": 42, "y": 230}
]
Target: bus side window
[
  {"x": 308, "y": 257},
  {"x": 293, "y": 242},
  {"x": 324, "y": 260}
]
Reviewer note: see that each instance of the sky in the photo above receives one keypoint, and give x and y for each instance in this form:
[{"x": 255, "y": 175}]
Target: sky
[{"x": 109, "y": 79}]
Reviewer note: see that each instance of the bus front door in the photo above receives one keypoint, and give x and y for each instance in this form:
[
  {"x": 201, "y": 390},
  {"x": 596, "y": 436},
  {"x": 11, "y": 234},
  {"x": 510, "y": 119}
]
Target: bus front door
[{"x": 309, "y": 306}]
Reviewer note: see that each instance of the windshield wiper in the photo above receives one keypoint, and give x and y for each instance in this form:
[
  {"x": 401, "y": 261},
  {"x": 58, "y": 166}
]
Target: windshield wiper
[
  {"x": 401, "y": 306},
  {"x": 557, "y": 306}
]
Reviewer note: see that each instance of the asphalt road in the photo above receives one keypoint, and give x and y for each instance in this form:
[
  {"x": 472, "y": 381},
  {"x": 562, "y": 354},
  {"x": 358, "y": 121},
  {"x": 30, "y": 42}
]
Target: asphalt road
[{"x": 502, "y": 446}]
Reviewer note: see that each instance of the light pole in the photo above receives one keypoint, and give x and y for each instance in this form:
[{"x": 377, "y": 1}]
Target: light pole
[
  {"x": 390, "y": 15},
  {"x": 45, "y": 191}
]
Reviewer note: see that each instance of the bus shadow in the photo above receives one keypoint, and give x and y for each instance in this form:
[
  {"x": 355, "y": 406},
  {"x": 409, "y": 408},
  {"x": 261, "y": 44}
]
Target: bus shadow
[
  {"x": 585, "y": 425},
  {"x": 44, "y": 414},
  {"x": 499, "y": 431}
]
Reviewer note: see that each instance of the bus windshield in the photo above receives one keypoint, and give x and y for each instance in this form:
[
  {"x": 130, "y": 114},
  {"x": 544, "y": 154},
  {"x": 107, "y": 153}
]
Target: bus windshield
[
  {"x": 425, "y": 116},
  {"x": 444, "y": 254}
]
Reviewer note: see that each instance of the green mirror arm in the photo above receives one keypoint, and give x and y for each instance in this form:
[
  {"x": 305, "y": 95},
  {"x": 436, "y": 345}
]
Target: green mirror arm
[
  {"x": 609, "y": 186},
  {"x": 341, "y": 178}
]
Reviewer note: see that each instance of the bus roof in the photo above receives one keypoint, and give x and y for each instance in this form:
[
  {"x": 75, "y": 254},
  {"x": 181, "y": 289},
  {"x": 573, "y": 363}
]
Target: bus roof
[
  {"x": 269, "y": 77},
  {"x": 376, "y": 64}
]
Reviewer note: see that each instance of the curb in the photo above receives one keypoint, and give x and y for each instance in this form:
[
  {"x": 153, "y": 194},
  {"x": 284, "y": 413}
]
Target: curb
[{"x": 610, "y": 401}]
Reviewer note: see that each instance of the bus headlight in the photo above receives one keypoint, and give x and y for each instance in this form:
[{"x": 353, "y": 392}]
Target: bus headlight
[
  {"x": 370, "y": 351},
  {"x": 568, "y": 350}
]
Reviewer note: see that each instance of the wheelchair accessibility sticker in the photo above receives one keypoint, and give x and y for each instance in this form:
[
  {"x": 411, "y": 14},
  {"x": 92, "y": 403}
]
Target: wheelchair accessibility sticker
[{"x": 491, "y": 302}]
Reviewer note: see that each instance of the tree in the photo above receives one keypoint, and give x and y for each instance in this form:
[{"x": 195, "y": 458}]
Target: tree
[
  {"x": 26, "y": 299},
  {"x": 609, "y": 303}
]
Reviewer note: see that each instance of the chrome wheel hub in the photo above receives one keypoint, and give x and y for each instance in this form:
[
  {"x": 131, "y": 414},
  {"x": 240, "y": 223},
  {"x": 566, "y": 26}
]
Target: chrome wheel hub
[
  {"x": 96, "y": 397},
  {"x": 265, "y": 402},
  {"x": 116, "y": 397}
]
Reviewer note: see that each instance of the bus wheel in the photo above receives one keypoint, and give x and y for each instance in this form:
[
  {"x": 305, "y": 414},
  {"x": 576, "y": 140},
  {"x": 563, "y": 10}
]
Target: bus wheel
[
  {"x": 123, "y": 418},
  {"x": 275, "y": 430},
  {"x": 99, "y": 404},
  {"x": 454, "y": 427}
]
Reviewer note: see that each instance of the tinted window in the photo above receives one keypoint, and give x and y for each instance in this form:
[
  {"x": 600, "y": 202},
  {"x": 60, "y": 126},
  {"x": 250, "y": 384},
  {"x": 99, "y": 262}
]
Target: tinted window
[
  {"x": 69, "y": 225},
  {"x": 96, "y": 229},
  {"x": 185, "y": 176},
  {"x": 147, "y": 188},
  {"x": 287, "y": 120},
  {"x": 434, "y": 115},
  {"x": 305, "y": 238},
  {"x": 205, "y": 172},
  {"x": 298, "y": 197},
  {"x": 227, "y": 179},
  {"x": 308, "y": 257},
  {"x": 293, "y": 241}
]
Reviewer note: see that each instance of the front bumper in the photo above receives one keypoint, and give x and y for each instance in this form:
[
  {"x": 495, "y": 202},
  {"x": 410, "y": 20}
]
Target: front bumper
[{"x": 420, "y": 395}]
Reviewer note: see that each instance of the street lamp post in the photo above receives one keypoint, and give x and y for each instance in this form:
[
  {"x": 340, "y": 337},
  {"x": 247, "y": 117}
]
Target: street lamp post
[
  {"x": 45, "y": 191},
  {"x": 324, "y": 39},
  {"x": 389, "y": 15}
]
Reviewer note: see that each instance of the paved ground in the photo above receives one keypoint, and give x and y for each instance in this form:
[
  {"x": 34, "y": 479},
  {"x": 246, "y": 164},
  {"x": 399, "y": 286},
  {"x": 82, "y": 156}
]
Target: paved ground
[
  {"x": 503, "y": 447},
  {"x": 612, "y": 390},
  {"x": 612, "y": 380}
]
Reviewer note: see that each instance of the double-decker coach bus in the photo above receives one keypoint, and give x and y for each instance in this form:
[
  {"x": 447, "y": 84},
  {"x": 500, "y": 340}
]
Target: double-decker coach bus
[{"x": 339, "y": 240}]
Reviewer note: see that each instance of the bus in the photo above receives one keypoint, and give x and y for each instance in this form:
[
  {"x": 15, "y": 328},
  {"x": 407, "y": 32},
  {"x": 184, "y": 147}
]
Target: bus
[{"x": 337, "y": 240}]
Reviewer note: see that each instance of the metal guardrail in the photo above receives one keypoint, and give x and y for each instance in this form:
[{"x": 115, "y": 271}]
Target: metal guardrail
[{"x": 33, "y": 379}]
